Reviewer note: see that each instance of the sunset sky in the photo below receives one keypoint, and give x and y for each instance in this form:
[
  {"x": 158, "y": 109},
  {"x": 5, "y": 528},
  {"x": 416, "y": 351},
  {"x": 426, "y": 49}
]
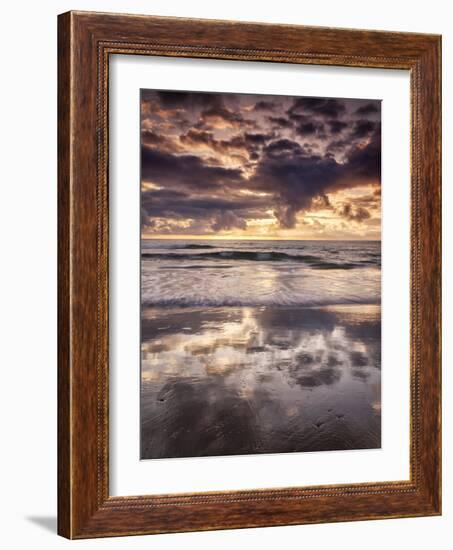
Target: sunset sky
[{"x": 218, "y": 165}]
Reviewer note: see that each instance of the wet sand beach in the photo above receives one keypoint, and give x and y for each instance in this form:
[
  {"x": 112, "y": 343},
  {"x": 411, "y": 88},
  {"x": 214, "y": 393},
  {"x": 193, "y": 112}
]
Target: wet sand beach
[{"x": 268, "y": 379}]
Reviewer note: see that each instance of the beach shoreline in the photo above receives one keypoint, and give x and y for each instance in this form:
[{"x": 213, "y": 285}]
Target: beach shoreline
[{"x": 219, "y": 381}]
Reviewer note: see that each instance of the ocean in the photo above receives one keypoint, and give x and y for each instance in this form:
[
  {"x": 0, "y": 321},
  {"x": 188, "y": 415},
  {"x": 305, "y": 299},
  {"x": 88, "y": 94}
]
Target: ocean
[
  {"x": 259, "y": 347},
  {"x": 260, "y": 273}
]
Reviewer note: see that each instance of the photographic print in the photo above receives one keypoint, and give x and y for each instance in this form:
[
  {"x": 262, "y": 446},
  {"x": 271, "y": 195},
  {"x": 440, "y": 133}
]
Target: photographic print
[{"x": 260, "y": 274}]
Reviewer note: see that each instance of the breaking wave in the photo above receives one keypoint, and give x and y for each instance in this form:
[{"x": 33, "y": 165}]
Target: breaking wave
[
  {"x": 262, "y": 256},
  {"x": 259, "y": 273}
]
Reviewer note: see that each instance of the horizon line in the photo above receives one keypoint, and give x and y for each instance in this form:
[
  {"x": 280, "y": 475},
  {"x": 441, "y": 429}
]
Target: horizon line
[{"x": 198, "y": 238}]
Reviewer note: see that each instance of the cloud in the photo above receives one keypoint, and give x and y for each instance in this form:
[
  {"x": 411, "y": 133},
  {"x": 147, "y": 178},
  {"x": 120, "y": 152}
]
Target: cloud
[
  {"x": 224, "y": 162},
  {"x": 325, "y": 107},
  {"x": 264, "y": 106},
  {"x": 283, "y": 147},
  {"x": 363, "y": 128},
  {"x": 358, "y": 215},
  {"x": 228, "y": 220},
  {"x": 364, "y": 163},
  {"x": 220, "y": 117},
  {"x": 199, "y": 140},
  {"x": 183, "y": 100},
  {"x": 185, "y": 171},
  {"x": 293, "y": 178},
  {"x": 281, "y": 122},
  {"x": 337, "y": 126},
  {"x": 242, "y": 147},
  {"x": 296, "y": 178},
  {"x": 156, "y": 141},
  {"x": 258, "y": 138},
  {"x": 368, "y": 109},
  {"x": 180, "y": 205},
  {"x": 309, "y": 128}
]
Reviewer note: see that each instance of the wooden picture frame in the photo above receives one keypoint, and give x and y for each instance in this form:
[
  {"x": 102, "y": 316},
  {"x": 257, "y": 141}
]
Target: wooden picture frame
[{"x": 85, "y": 42}]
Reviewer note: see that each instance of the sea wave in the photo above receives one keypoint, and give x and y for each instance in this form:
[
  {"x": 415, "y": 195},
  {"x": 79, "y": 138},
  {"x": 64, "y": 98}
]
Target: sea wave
[
  {"x": 255, "y": 274},
  {"x": 261, "y": 256},
  {"x": 190, "y": 246},
  {"x": 253, "y": 301}
]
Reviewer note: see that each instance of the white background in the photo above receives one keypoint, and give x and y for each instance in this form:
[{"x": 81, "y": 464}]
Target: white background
[
  {"x": 128, "y": 475},
  {"x": 28, "y": 272}
]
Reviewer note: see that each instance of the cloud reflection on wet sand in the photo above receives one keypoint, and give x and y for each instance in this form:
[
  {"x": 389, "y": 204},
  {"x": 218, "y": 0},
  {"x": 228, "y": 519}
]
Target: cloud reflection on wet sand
[{"x": 226, "y": 381}]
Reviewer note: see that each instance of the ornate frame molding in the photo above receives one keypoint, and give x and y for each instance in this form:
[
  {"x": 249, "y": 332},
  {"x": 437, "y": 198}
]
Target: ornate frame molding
[{"x": 86, "y": 40}]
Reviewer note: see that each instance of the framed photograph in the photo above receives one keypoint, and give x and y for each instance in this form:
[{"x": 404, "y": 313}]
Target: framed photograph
[{"x": 249, "y": 275}]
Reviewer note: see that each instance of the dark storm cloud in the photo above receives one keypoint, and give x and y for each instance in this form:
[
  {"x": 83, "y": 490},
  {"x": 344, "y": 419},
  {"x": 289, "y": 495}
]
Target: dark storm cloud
[
  {"x": 224, "y": 210},
  {"x": 296, "y": 178},
  {"x": 244, "y": 144},
  {"x": 309, "y": 128},
  {"x": 196, "y": 138},
  {"x": 185, "y": 171},
  {"x": 258, "y": 139},
  {"x": 281, "y": 122},
  {"x": 328, "y": 107},
  {"x": 264, "y": 106},
  {"x": 284, "y": 147},
  {"x": 149, "y": 137},
  {"x": 153, "y": 140},
  {"x": 338, "y": 145},
  {"x": 166, "y": 196},
  {"x": 363, "y": 128},
  {"x": 222, "y": 113},
  {"x": 368, "y": 109},
  {"x": 184, "y": 100},
  {"x": 365, "y": 162},
  {"x": 231, "y": 161},
  {"x": 207, "y": 213},
  {"x": 337, "y": 126},
  {"x": 291, "y": 176},
  {"x": 359, "y": 215},
  {"x": 158, "y": 202}
]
